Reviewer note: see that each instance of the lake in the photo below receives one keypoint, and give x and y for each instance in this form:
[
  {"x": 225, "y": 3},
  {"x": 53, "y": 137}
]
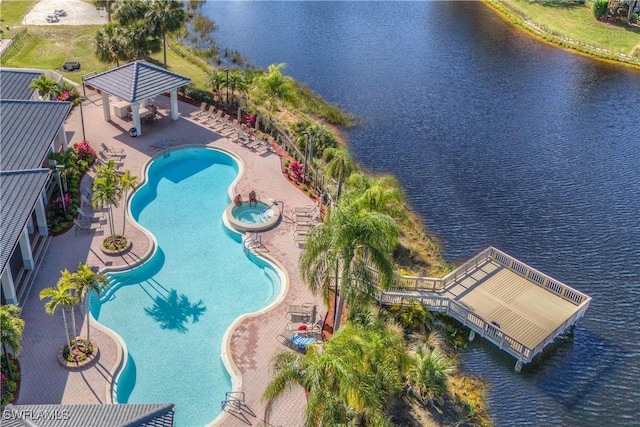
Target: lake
[{"x": 497, "y": 139}]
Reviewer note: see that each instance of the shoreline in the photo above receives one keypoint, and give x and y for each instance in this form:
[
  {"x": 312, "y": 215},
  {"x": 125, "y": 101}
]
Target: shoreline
[{"x": 537, "y": 32}]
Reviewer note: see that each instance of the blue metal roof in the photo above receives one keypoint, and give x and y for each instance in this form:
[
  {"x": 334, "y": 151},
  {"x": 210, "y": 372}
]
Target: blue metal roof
[
  {"x": 94, "y": 415},
  {"x": 14, "y": 84},
  {"x": 137, "y": 81},
  {"x": 19, "y": 192},
  {"x": 27, "y": 129}
]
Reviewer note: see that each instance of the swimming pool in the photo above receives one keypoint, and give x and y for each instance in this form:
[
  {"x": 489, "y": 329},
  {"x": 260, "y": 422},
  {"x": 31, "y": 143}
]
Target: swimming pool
[
  {"x": 173, "y": 311},
  {"x": 248, "y": 217}
]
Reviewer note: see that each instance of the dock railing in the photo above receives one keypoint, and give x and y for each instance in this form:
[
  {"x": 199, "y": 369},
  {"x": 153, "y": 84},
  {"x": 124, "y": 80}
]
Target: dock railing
[{"x": 429, "y": 292}]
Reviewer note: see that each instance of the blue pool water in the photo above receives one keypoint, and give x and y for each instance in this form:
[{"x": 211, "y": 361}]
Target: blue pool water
[
  {"x": 252, "y": 214},
  {"x": 173, "y": 311}
]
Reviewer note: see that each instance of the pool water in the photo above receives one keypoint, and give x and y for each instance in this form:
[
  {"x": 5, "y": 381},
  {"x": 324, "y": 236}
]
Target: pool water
[
  {"x": 252, "y": 214},
  {"x": 173, "y": 311}
]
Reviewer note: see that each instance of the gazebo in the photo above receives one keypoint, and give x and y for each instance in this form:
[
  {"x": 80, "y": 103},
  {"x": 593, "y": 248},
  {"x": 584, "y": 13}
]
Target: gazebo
[{"x": 135, "y": 83}]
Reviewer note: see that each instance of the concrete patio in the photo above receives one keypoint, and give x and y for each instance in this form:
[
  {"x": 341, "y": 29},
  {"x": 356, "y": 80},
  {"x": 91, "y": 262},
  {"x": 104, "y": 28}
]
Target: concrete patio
[{"x": 252, "y": 342}]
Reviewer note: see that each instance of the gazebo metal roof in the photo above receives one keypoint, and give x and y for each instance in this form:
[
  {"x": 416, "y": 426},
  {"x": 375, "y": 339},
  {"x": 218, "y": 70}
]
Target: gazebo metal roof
[{"x": 137, "y": 81}]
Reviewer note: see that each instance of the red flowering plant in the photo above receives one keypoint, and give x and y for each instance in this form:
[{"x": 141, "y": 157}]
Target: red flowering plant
[
  {"x": 85, "y": 152},
  {"x": 298, "y": 170},
  {"x": 251, "y": 119}
]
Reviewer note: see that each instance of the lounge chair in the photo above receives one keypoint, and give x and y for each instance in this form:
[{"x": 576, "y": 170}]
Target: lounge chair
[
  {"x": 300, "y": 309},
  {"x": 84, "y": 215},
  {"x": 313, "y": 329},
  {"x": 200, "y": 111},
  {"x": 109, "y": 151},
  {"x": 295, "y": 341},
  {"x": 85, "y": 226}
]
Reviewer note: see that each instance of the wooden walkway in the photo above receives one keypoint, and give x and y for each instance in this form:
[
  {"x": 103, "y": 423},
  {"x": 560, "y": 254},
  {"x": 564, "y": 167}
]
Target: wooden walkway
[{"x": 512, "y": 305}]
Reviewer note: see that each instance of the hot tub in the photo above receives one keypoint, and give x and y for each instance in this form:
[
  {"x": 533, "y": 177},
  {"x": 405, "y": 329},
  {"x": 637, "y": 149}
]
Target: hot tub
[{"x": 248, "y": 217}]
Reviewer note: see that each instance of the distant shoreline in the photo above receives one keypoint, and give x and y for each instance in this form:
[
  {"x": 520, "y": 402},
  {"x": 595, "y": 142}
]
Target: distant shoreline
[{"x": 540, "y": 33}]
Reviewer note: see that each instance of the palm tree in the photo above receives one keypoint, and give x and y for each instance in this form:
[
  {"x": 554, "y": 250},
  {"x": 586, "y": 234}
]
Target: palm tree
[
  {"x": 128, "y": 11},
  {"x": 85, "y": 282},
  {"x": 380, "y": 194},
  {"x": 413, "y": 316},
  {"x": 68, "y": 281},
  {"x": 59, "y": 297},
  {"x": 350, "y": 381},
  {"x": 67, "y": 159},
  {"x": 107, "y": 191},
  {"x": 428, "y": 373},
  {"x": 166, "y": 16},
  {"x": 139, "y": 40},
  {"x": 340, "y": 165},
  {"x": 274, "y": 86},
  {"x": 110, "y": 44},
  {"x": 215, "y": 79},
  {"x": 237, "y": 81},
  {"x": 127, "y": 182},
  {"x": 342, "y": 250},
  {"x": 11, "y": 326},
  {"x": 48, "y": 88}
]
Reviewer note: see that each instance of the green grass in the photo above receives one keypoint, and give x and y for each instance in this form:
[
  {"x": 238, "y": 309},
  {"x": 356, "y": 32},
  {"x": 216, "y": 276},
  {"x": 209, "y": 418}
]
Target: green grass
[
  {"x": 11, "y": 14},
  {"x": 574, "y": 22}
]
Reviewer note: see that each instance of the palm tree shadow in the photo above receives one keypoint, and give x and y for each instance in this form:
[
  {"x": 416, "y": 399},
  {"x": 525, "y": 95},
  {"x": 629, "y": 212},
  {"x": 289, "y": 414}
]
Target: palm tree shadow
[{"x": 174, "y": 311}]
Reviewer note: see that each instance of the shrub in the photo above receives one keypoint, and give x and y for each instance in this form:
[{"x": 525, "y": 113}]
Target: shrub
[
  {"x": 85, "y": 152},
  {"x": 287, "y": 162},
  {"x": 298, "y": 169},
  {"x": 197, "y": 94},
  {"x": 304, "y": 187},
  {"x": 600, "y": 8}
]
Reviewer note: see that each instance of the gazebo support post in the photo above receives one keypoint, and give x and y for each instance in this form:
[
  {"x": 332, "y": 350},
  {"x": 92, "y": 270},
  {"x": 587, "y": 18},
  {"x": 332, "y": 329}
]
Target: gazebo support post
[
  {"x": 174, "y": 104},
  {"x": 106, "y": 106},
  {"x": 135, "y": 110}
]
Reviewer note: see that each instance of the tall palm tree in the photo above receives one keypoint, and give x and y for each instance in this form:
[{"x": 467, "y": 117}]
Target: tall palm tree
[
  {"x": 110, "y": 44},
  {"x": 107, "y": 191},
  {"x": 128, "y": 11},
  {"x": 340, "y": 165},
  {"x": 166, "y": 16},
  {"x": 139, "y": 40},
  {"x": 59, "y": 297},
  {"x": 127, "y": 182},
  {"x": 68, "y": 159},
  {"x": 68, "y": 281},
  {"x": 85, "y": 282},
  {"x": 215, "y": 79},
  {"x": 11, "y": 326},
  {"x": 343, "y": 248},
  {"x": 48, "y": 88},
  {"x": 428, "y": 373}
]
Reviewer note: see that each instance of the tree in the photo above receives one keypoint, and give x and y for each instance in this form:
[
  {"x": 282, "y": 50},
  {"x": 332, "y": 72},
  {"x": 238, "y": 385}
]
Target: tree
[
  {"x": 166, "y": 16},
  {"x": 273, "y": 86},
  {"x": 48, "y": 88},
  {"x": 68, "y": 281},
  {"x": 59, "y": 297},
  {"x": 11, "y": 326},
  {"x": 340, "y": 165},
  {"x": 68, "y": 159},
  {"x": 215, "y": 79},
  {"x": 87, "y": 281},
  {"x": 140, "y": 40},
  {"x": 379, "y": 194},
  {"x": 350, "y": 381},
  {"x": 107, "y": 191},
  {"x": 427, "y": 374},
  {"x": 344, "y": 249},
  {"x": 237, "y": 81},
  {"x": 127, "y": 182},
  {"x": 128, "y": 11},
  {"x": 110, "y": 44}
]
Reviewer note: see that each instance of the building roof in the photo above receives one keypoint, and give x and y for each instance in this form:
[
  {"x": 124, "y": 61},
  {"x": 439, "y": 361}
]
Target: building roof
[
  {"x": 27, "y": 129},
  {"x": 15, "y": 84},
  {"x": 137, "y": 81},
  {"x": 95, "y": 415},
  {"x": 19, "y": 191}
]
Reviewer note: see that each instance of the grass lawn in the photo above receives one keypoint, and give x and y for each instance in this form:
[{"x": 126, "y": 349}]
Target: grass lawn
[
  {"x": 12, "y": 11},
  {"x": 578, "y": 23}
]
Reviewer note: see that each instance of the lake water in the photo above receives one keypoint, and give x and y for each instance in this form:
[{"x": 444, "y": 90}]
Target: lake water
[{"x": 499, "y": 140}]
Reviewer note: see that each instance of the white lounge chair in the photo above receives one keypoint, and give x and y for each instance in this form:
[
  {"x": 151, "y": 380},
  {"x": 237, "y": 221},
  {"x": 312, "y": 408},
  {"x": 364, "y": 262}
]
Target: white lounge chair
[{"x": 85, "y": 226}]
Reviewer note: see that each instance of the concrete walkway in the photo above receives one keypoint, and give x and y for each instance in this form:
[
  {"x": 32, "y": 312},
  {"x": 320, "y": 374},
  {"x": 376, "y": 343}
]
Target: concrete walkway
[{"x": 252, "y": 342}]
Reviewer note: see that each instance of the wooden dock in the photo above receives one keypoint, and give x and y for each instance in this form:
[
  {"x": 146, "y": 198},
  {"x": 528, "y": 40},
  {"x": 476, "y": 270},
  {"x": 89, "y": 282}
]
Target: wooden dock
[{"x": 512, "y": 305}]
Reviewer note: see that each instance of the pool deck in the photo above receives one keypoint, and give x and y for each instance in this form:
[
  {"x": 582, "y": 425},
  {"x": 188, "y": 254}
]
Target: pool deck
[{"x": 253, "y": 339}]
